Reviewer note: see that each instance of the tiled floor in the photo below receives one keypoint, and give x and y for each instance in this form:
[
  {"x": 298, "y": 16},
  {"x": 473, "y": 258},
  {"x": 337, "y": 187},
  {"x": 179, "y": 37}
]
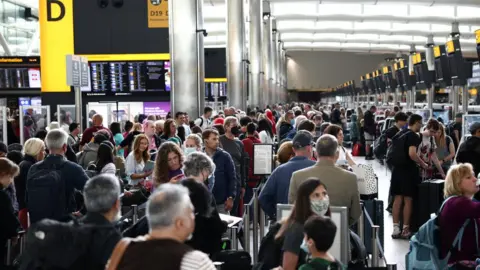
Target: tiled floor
[{"x": 395, "y": 250}]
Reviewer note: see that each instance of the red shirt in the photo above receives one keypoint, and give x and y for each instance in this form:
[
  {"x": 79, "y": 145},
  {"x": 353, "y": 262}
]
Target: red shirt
[
  {"x": 248, "y": 146},
  {"x": 88, "y": 135}
]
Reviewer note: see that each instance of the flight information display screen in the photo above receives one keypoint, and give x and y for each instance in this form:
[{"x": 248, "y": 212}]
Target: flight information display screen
[
  {"x": 129, "y": 76},
  {"x": 14, "y": 78}
]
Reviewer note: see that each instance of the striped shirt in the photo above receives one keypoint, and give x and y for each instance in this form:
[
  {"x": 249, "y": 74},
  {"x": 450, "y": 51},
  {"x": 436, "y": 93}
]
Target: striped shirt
[{"x": 196, "y": 260}]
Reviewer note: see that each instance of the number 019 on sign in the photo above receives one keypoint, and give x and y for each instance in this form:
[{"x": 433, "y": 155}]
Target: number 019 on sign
[{"x": 157, "y": 13}]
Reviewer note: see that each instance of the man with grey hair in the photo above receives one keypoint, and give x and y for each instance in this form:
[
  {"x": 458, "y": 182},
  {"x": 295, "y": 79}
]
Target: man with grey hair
[
  {"x": 102, "y": 200},
  {"x": 341, "y": 184},
  {"x": 52, "y": 181},
  {"x": 171, "y": 219},
  {"x": 200, "y": 167},
  {"x": 232, "y": 145}
]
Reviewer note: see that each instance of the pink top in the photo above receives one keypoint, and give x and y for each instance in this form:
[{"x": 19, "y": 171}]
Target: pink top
[{"x": 454, "y": 214}]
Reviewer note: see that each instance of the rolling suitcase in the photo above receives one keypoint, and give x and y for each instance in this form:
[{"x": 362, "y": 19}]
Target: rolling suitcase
[
  {"x": 374, "y": 209},
  {"x": 428, "y": 201}
]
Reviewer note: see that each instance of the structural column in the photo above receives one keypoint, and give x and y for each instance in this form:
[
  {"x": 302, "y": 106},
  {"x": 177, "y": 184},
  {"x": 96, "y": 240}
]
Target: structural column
[
  {"x": 276, "y": 78},
  {"x": 267, "y": 61},
  {"x": 236, "y": 89},
  {"x": 187, "y": 68},
  {"x": 430, "y": 60},
  {"x": 279, "y": 68},
  {"x": 256, "y": 57},
  {"x": 284, "y": 74}
]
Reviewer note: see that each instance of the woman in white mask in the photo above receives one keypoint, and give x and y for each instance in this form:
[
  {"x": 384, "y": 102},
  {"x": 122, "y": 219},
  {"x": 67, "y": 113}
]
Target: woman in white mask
[
  {"x": 312, "y": 200},
  {"x": 193, "y": 143}
]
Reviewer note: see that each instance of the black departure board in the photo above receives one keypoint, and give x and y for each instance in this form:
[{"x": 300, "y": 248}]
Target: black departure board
[
  {"x": 20, "y": 73},
  {"x": 129, "y": 76}
]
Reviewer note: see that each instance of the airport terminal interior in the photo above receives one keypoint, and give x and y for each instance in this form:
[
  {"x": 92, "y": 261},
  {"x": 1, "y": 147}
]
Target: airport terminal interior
[{"x": 239, "y": 134}]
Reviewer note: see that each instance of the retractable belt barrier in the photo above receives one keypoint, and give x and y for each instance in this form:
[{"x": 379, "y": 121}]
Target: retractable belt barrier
[{"x": 10, "y": 248}]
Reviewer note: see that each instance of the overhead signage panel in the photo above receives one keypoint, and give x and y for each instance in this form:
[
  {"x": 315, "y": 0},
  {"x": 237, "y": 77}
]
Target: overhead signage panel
[{"x": 157, "y": 13}]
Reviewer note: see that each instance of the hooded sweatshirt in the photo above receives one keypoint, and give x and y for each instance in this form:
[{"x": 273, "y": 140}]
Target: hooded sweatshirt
[
  {"x": 88, "y": 155},
  {"x": 469, "y": 152}
]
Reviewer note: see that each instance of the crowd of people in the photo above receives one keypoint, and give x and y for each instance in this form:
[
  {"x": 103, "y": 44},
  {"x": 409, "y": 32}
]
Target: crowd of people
[{"x": 188, "y": 172}]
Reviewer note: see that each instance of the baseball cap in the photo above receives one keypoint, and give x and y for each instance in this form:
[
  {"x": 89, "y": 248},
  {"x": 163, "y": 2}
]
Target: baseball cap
[
  {"x": 474, "y": 127},
  {"x": 302, "y": 139}
]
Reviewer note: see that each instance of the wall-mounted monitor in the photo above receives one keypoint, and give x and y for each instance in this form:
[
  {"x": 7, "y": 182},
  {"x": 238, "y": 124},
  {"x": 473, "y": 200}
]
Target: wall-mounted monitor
[
  {"x": 20, "y": 73},
  {"x": 129, "y": 76}
]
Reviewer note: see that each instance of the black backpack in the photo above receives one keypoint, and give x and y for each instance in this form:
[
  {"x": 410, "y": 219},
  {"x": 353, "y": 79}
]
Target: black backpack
[
  {"x": 233, "y": 259},
  {"x": 396, "y": 153},
  {"x": 381, "y": 146},
  {"x": 53, "y": 245},
  {"x": 46, "y": 193},
  {"x": 270, "y": 253}
]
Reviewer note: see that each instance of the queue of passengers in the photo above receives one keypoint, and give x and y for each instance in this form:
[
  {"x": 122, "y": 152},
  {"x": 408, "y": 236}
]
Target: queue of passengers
[{"x": 189, "y": 172}]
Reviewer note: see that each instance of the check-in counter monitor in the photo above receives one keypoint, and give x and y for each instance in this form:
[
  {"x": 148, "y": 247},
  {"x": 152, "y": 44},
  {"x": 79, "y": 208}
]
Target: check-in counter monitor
[
  {"x": 424, "y": 78},
  {"x": 363, "y": 85},
  {"x": 442, "y": 71},
  {"x": 370, "y": 84},
  {"x": 378, "y": 81},
  {"x": 399, "y": 76},
  {"x": 460, "y": 70},
  {"x": 390, "y": 82}
]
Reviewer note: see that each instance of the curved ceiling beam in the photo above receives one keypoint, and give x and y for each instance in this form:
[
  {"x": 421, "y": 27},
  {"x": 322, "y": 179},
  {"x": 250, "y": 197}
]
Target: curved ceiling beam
[
  {"x": 377, "y": 18},
  {"x": 373, "y": 2}
]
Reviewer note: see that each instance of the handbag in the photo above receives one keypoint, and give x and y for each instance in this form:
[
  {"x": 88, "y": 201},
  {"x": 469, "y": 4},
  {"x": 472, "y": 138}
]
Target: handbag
[{"x": 366, "y": 178}]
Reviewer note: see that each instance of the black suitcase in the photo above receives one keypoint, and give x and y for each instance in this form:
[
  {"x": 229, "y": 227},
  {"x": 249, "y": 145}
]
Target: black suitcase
[
  {"x": 375, "y": 209},
  {"x": 428, "y": 201},
  {"x": 233, "y": 259}
]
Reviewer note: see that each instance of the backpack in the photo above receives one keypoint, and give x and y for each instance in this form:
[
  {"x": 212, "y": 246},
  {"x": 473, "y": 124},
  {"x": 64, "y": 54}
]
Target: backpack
[
  {"x": 46, "y": 193},
  {"x": 233, "y": 259},
  {"x": 380, "y": 146},
  {"x": 270, "y": 252},
  {"x": 424, "y": 252},
  {"x": 53, "y": 245},
  {"x": 396, "y": 153},
  {"x": 201, "y": 121},
  {"x": 450, "y": 130}
]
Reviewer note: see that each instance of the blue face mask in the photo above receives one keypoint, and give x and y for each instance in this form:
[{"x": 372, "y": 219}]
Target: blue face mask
[
  {"x": 188, "y": 150},
  {"x": 292, "y": 122},
  {"x": 304, "y": 246}
]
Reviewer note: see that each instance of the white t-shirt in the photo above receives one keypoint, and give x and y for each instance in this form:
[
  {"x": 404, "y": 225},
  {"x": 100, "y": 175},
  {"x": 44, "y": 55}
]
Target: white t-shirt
[
  {"x": 206, "y": 122},
  {"x": 426, "y": 148},
  {"x": 264, "y": 137},
  {"x": 133, "y": 167},
  {"x": 342, "y": 157}
]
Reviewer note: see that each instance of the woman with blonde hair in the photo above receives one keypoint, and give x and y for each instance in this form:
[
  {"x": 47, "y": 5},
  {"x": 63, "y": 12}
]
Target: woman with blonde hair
[
  {"x": 284, "y": 153},
  {"x": 460, "y": 211},
  {"x": 445, "y": 148},
  {"x": 34, "y": 151},
  {"x": 137, "y": 159},
  {"x": 168, "y": 164}
]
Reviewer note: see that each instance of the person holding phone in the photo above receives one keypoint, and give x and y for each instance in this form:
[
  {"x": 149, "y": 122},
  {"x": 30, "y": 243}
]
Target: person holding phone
[
  {"x": 168, "y": 164},
  {"x": 137, "y": 159}
]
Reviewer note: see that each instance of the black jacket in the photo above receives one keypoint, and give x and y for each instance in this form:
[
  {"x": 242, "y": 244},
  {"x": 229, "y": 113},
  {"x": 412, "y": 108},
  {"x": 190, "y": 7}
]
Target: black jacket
[
  {"x": 9, "y": 224},
  {"x": 104, "y": 239},
  {"x": 21, "y": 180},
  {"x": 284, "y": 130},
  {"x": 469, "y": 152}
]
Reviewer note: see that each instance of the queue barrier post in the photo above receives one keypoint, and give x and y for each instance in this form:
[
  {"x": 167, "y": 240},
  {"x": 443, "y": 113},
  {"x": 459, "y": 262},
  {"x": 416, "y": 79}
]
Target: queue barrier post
[
  {"x": 255, "y": 225},
  {"x": 9, "y": 253},
  {"x": 233, "y": 236},
  {"x": 375, "y": 252},
  {"x": 246, "y": 228},
  {"x": 135, "y": 213},
  {"x": 361, "y": 224}
]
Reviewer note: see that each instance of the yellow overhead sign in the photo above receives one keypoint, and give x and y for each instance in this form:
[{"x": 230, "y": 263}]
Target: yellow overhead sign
[
  {"x": 56, "y": 41},
  {"x": 385, "y": 70},
  {"x": 436, "y": 51},
  {"x": 477, "y": 36},
  {"x": 402, "y": 64},
  {"x": 449, "y": 47},
  {"x": 368, "y": 76},
  {"x": 157, "y": 13}
]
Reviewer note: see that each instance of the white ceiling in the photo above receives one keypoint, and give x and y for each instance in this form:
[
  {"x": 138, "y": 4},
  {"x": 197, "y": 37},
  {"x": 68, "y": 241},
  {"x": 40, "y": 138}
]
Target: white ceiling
[
  {"x": 346, "y": 25},
  {"x": 381, "y": 26}
]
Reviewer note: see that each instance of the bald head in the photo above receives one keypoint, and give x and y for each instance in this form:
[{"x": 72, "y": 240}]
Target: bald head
[
  {"x": 97, "y": 120},
  {"x": 327, "y": 146}
]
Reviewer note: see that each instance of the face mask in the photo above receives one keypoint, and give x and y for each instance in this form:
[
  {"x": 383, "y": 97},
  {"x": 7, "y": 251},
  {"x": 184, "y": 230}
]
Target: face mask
[
  {"x": 304, "y": 246},
  {"x": 235, "y": 131},
  {"x": 292, "y": 122},
  {"x": 188, "y": 150},
  {"x": 320, "y": 207}
]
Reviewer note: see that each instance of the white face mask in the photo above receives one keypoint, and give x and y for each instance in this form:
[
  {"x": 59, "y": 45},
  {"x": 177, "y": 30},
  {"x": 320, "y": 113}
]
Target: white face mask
[
  {"x": 320, "y": 207},
  {"x": 188, "y": 150}
]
